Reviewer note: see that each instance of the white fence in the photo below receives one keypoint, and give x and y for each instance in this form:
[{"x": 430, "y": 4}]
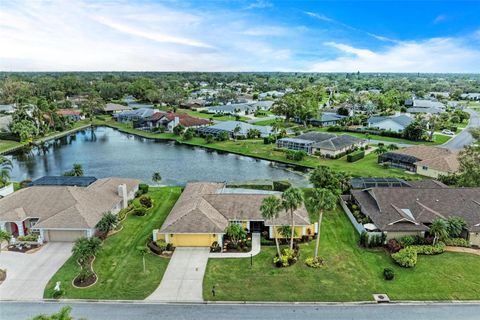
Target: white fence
[{"x": 358, "y": 226}]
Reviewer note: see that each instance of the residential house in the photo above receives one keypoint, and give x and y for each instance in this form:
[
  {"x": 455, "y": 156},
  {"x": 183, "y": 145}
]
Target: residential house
[
  {"x": 327, "y": 119},
  {"x": 136, "y": 116},
  {"x": 229, "y": 128},
  {"x": 271, "y": 94},
  {"x": 470, "y": 96},
  {"x": 204, "y": 210},
  {"x": 394, "y": 123},
  {"x": 170, "y": 120},
  {"x": 424, "y": 106},
  {"x": 72, "y": 115},
  {"x": 401, "y": 211},
  {"x": 241, "y": 108},
  {"x": 115, "y": 108},
  {"x": 424, "y": 160},
  {"x": 64, "y": 210},
  {"x": 324, "y": 144}
]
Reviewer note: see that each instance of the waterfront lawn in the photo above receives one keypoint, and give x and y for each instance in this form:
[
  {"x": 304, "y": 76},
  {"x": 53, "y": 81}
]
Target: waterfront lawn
[
  {"x": 210, "y": 115},
  {"x": 6, "y": 145},
  {"x": 350, "y": 274},
  {"x": 118, "y": 264}
]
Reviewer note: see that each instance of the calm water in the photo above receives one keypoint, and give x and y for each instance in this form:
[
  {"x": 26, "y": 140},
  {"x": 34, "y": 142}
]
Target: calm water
[{"x": 107, "y": 152}]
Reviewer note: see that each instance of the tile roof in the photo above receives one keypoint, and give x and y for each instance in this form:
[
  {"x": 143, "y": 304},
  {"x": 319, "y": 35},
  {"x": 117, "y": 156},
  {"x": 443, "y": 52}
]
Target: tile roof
[
  {"x": 67, "y": 207},
  {"x": 202, "y": 209},
  {"x": 186, "y": 120},
  {"x": 437, "y": 158},
  {"x": 115, "y": 107},
  {"x": 402, "y": 120},
  {"x": 410, "y": 209}
]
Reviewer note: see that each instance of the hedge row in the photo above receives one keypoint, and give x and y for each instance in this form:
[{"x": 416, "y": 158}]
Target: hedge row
[{"x": 352, "y": 157}]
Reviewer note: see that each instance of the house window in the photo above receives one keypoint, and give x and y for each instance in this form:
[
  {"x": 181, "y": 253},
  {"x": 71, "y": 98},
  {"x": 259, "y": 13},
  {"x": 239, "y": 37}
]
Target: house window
[
  {"x": 425, "y": 167},
  {"x": 236, "y": 222}
]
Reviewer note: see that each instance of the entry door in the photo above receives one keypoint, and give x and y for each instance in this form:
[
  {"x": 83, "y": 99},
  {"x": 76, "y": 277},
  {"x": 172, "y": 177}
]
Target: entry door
[{"x": 256, "y": 226}]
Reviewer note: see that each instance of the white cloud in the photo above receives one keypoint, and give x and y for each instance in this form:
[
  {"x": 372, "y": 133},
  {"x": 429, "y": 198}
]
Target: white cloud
[
  {"x": 260, "y": 4},
  {"x": 440, "y": 18},
  {"x": 319, "y": 16},
  {"x": 432, "y": 55},
  {"x": 266, "y": 31}
]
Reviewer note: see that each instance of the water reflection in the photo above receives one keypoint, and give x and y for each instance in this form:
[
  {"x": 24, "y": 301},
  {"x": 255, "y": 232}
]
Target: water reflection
[{"x": 107, "y": 152}]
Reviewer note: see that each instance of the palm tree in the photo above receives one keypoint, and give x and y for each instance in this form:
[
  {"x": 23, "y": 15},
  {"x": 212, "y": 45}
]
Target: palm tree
[
  {"x": 5, "y": 169},
  {"x": 381, "y": 150},
  {"x": 439, "y": 229},
  {"x": 270, "y": 208},
  {"x": 156, "y": 177},
  {"x": 320, "y": 200},
  {"x": 63, "y": 314},
  {"x": 392, "y": 146},
  {"x": 85, "y": 248},
  {"x": 236, "y": 131},
  {"x": 292, "y": 199},
  {"x": 143, "y": 251}
]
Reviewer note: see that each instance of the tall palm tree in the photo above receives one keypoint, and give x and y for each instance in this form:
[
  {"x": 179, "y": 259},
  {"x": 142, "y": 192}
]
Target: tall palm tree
[
  {"x": 439, "y": 229},
  {"x": 392, "y": 146},
  {"x": 156, "y": 177},
  {"x": 270, "y": 208},
  {"x": 5, "y": 169},
  {"x": 321, "y": 200},
  {"x": 380, "y": 150},
  {"x": 292, "y": 199}
]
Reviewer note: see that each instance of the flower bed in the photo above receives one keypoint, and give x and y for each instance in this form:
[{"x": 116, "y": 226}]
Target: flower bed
[{"x": 86, "y": 278}]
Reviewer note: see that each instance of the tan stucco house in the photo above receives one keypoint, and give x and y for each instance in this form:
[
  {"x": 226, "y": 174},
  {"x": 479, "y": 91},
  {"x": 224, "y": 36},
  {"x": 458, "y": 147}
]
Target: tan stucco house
[
  {"x": 205, "y": 209},
  {"x": 64, "y": 212}
]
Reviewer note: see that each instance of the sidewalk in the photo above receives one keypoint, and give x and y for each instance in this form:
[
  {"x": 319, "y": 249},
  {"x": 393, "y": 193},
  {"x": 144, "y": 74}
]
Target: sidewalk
[
  {"x": 463, "y": 250},
  {"x": 255, "y": 250}
]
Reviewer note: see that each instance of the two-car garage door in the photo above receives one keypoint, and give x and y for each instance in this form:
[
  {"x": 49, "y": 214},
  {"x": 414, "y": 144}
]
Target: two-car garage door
[
  {"x": 64, "y": 235},
  {"x": 192, "y": 240}
]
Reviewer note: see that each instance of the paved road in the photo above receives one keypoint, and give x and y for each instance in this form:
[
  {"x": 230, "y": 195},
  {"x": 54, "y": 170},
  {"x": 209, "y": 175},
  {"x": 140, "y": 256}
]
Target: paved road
[
  {"x": 183, "y": 279},
  {"x": 28, "y": 274},
  {"x": 128, "y": 311},
  {"x": 464, "y": 138}
]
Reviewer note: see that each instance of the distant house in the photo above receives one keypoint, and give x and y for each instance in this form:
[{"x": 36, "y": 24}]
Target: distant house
[
  {"x": 72, "y": 115},
  {"x": 241, "y": 108},
  {"x": 439, "y": 94},
  {"x": 194, "y": 103},
  {"x": 424, "y": 106},
  {"x": 170, "y": 120},
  {"x": 272, "y": 94},
  {"x": 204, "y": 210},
  {"x": 114, "y": 108},
  {"x": 401, "y": 211},
  {"x": 138, "y": 115},
  {"x": 324, "y": 144},
  {"x": 470, "y": 96},
  {"x": 424, "y": 160},
  {"x": 327, "y": 119},
  {"x": 229, "y": 128},
  {"x": 394, "y": 123}
]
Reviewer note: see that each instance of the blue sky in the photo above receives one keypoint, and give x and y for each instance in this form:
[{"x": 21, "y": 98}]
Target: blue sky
[{"x": 242, "y": 35}]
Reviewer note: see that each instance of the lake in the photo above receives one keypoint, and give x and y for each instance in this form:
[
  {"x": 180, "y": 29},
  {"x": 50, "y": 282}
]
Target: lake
[{"x": 104, "y": 152}]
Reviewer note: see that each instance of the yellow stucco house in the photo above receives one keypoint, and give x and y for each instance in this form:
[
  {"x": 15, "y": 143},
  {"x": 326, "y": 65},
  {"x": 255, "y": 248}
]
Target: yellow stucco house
[{"x": 205, "y": 209}]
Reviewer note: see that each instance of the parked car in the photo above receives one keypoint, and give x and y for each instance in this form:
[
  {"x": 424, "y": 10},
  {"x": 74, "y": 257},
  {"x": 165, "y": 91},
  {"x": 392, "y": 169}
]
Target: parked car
[{"x": 448, "y": 132}]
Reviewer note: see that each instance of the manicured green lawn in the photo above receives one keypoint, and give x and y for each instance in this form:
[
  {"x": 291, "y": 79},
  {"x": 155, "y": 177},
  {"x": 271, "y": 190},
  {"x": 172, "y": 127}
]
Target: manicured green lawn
[
  {"x": 209, "y": 115},
  {"x": 6, "y": 145},
  {"x": 350, "y": 274},
  {"x": 118, "y": 264}
]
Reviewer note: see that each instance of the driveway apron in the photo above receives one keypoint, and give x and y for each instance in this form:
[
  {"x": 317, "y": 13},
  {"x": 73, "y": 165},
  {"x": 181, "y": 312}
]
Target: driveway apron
[{"x": 183, "y": 279}]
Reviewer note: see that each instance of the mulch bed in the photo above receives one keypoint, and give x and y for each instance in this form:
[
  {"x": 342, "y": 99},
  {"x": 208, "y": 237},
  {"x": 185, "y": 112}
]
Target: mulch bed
[
  {"x": 22, "y": 249},
  {"x": 91, "y": 280}
]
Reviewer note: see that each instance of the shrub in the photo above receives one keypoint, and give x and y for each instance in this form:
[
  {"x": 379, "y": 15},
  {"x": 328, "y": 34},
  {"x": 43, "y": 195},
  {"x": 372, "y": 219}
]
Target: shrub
[
  {"x": 407, "y": 241},
  {"x": 140, "y": 211},
  {"x": 457, "y": 242},
  {"x": 406, "y": 257},
  {"x": 388, "y": 274},
  {"x": 281, "y": 185},
  {"x": 394, "y": 246},
  {"x": 296, "y": 155},
  {"x": 209, "y": 139},
  {"x": 289, "y": 257},
  {"x": 270, "y": 139},
  {"x": 215, "y": 247},
  {"x": 142, "y": 188},
  {"x": 314, "y": 262},
  {"x": 355, "y": 156},
  {"x": 30, "y": 237},
  {"x": 146, "y": 201},
  {"x": 161, "y": 244},
  {"x": 429, "y": 250}
]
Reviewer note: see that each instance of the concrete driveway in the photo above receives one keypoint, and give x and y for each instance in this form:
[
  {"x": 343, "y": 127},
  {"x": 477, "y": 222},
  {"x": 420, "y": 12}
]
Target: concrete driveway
[
  {"x": 28, "y": 274},
  {"x": 183, "y": 279}
]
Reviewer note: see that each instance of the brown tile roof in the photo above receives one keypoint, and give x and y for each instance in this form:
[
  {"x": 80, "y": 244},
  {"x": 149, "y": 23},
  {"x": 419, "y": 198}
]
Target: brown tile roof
[
  {"x": 201, "y": 209},
  {"x": 418, "y": 206},
  {"x": 187, "y": 120},
  {"x": 64, "y": 206},
  {"x": 436, "y": 158},
  {"x": 111, "y": 107}
]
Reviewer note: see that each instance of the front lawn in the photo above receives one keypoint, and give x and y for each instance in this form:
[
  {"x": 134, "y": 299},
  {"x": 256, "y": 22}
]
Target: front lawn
[
  {"x": 351, "y": 273},
  {"x": 118, "y": 264}
]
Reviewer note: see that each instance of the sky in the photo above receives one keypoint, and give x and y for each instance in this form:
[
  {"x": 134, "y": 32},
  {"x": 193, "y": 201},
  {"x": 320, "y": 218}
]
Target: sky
[{"x": 240, "y": 35}]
